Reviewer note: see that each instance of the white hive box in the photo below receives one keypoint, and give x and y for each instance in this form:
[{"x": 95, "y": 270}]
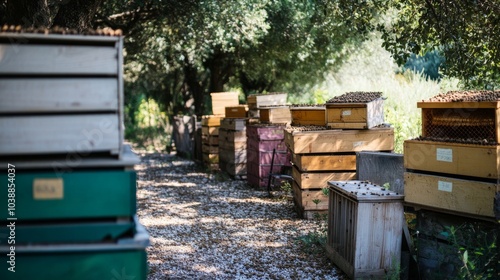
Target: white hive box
[{"x": 60, "y": 94}]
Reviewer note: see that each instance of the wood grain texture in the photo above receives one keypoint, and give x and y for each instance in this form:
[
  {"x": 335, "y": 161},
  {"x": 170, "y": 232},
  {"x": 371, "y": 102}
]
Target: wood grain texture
[
  {"x": 452, "y": 158},
  {"x": 308, "y": 116},
  {"x": 82, "y": 134},
  {"x": 39, "y": 95},
  {"x": 311, "y": 199},
  {"x": 329, "y": 162},
  {"x": 462, "y": 196},
  {"x": 58, "y": 60},
  {"x": 318, "y": 180},
  {"x": 333, "y": 141}
]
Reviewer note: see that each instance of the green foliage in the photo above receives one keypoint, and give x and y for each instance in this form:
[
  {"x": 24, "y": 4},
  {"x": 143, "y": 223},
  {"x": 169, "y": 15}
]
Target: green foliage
[
  {"x": 477, "y": 251},
  {"x": 314, "y": 241},
  {"x": 427, "y": 64},
  {"x": 464, "y": 32}
]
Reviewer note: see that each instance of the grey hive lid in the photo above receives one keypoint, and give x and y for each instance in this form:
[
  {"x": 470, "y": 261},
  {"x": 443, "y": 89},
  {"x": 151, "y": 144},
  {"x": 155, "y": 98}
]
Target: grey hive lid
[{"x": 364, "y": 191}]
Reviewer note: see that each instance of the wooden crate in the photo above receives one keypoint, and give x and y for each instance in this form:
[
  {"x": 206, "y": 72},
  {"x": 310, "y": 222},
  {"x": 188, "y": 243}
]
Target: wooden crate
[
  {"x": 334, "y": 141},
  {"x": 313, "y": 115},
  {"x": 266, "y": 145},
  {"x": 61, "y": 94},
  {"x": 474, "y": 122},
  {"x": 239, "y": 111},
  {"x": 210, "y": 149},
  {"x": 266, "y": 131},
  {"x": 210, "y": 130},
  {"x": 221, "y": 100},
  {"x": 265, "y": 157},
  {"x": 324, "y": 162},
  {"x": 451, "y": 194},
  {"x": 310, "y": 199},
  {"x": 260, "y": 100},
  {"x": 275, "y": 115},
  {"x": 361, "y": 221},
  {"x": 232, "y": 136},
  {"x": 232, "y": 156},
  {"x": 318, "y": 180},
  {"x": 355, "y": 115},
  {"x": 453, "y": 158},
  {"x": 234, "y": 124},
  {"x": 211, "y": 120},
  {"x": 212, "y": 140}
]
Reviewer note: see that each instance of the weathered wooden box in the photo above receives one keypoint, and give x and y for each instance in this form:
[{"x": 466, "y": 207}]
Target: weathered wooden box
[
  {"x": 266, "y": 145},
  {"x": 453, "y": 158},
  {"x": 210, "y": 130},
  {"x": 308, "y": 115},
  {"x": 310, "y": 199},
  {"x": 265, "y": 157},
  {"x": 212, "y": 140},
  {"x": 211, "y": 120},
  {"x": 325, "y": 162},
  {"x": 464, "y": 117},
  {"x": 221, "y": 100},
  {"x": 301, "y": 141},
  {"x": 275, "y": 115},
  {"x": 266, "y": 131},
  {"x": 318, "y": 180},
  {"x": 475, "y": 198},
  {"x": 355, "y": 115},
  {"x": 260, "y": 100},
  {"x": 207, "y": 149},
  {"x": 60, "y": 94},
  {"x": 239, "y": 111},
  {"x": 365, "y": 226},
  {"x": 236, "y": 124}
]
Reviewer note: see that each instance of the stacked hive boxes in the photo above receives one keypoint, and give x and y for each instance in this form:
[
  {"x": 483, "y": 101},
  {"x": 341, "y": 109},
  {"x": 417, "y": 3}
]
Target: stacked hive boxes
[
  {"x": 321, "y": 154},
  {"x": 265, "y": 137},
  {"x": 454, "y": 165},
  {"x": 210, "y": 140},
  {"x": 233, "y": 147},
  {"x": 71, "y": 195},
  {"x": 210, "y": 126}
]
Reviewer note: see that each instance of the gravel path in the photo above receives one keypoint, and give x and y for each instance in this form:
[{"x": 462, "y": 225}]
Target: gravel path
[{"x": 206, "y": 226}]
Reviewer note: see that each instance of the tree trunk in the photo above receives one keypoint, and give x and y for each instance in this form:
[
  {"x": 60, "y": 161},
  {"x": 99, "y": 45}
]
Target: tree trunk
[
  {"x": 77, "y": 14},
  {"x": 194, "y": 87},
  {"x": 27, "y": 13}
]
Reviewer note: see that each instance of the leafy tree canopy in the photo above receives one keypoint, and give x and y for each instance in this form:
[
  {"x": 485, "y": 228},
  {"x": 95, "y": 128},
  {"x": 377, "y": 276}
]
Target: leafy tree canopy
[{"x": 465, "y": 33}]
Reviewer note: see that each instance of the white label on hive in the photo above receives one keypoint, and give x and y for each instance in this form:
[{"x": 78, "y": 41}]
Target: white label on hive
[
  {"x": 445, "y": 186},
  {"x": 444, "y": 155},
  {"x": 346, "y": 113}
]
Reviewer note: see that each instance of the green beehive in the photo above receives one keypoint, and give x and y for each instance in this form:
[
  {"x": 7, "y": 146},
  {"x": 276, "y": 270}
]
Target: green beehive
[
  {"x": 125, "y": 259},
  {"x": 89, "y": 194}
]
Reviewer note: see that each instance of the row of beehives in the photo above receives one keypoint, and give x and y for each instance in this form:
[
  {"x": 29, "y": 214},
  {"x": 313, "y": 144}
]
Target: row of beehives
[
  {"x": 72, "y": 186},
  {"x": 318, "y": 152}
]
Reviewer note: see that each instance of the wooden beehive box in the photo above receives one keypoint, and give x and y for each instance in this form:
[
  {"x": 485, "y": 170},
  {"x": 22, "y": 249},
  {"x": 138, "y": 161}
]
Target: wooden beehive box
[
  {"x": 235, "y": 124},
  {"x": 261, "y": 100},
  {"x": 221, "y": 100},
  {"x": 60, "y": 94},
  {"x": 232, "y": 151},
  {"x": 469, "y": 117},
  {"x": 239, "y": 111},
  {"x": 365, "y": 226},
  {"x": 355, "y": 110},
  {"x": 266, "y": 131},
  {"x": 211, "y": 120},
  {"x": 310, "y": 199},
  {"x": 469, "y": 197},
  {"x": 453, "y": 158},
  {"x": 308, "y": 115},
  {"x": 319, "y": 180},
  {"x": 324, "y": 162},
  {"x": 306, "y": 140},
  {"x": 275, "y": 114}
]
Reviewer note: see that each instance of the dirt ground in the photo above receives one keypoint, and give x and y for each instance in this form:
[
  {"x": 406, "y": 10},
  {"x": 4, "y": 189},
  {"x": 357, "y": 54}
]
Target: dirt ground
[{"x": 204, "y": 225}]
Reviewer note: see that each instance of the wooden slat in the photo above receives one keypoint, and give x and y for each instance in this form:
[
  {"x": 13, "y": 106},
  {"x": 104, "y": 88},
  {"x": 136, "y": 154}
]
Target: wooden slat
[
  {"x": 312, "y": 162},
  {"x": 210, "y": 130},
  {"x": 353, "y": 116},
  {"x": 308, "y": 116},
  {"x": 451, "y": 158},
  {"x": 59, "y": 134},
  {"x": 306, "y": 198},
  {"x": 58, "y": 60},
  {"x": 239, "y": 111},
  {"x": 58, "y": 95},
  {"x": 317, "y": 180},
  {"x": 472, "y": 197},
  {"x": 275, "y": 115},
  {"x": 334, "y": 141},
  {"x": 458, "y": 105}
]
